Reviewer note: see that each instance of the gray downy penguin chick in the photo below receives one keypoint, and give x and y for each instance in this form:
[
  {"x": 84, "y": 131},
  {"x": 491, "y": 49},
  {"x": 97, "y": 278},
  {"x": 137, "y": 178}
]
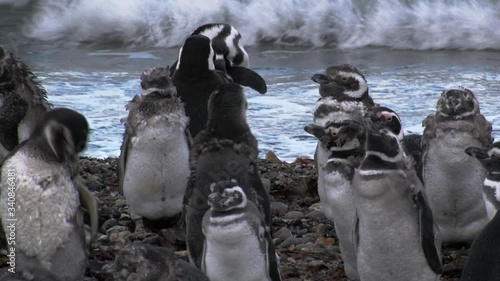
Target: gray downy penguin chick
[
  {"x": 234, "y": 225},
  {"x": 143, "y": 262},
  {"x": 335, "y": 186},
  {"x": 195, "y": 79},
  {"x": 396, "y": 235},
  {"x": 154, "y": 159},
  {"x": 230, "y": 56},
  {"x": 23, "y": 102},
  {"x": 490, "y": 159},
  {"x": 49, "y": 227},
  {"x": 454, "y": 180},
  {"x": 225, "y": 150}
]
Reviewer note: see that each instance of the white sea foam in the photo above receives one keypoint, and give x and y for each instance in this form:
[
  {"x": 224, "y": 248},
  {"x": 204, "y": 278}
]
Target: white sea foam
[{"x": 402, "y": 24}]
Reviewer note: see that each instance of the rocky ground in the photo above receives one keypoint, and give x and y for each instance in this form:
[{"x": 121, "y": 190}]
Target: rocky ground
[{"x": 305, "y": 240}]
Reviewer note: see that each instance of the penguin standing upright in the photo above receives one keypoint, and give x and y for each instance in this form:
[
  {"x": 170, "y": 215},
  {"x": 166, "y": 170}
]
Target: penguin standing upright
[
  {"x": 23, "y": 102},
  {"x": 395, "y": 232},
  {"x": 195, "y": 78},
  {"x": 230, "y": 56},
  {"x": 154, "y": 159},
  {"x": 234, "y": 225},
  {"x": 41, "y": 172},
  {"x": 453, "y": 179},
  {"x": 490, "y": 159},
  {"x": 225, "y": 150}
]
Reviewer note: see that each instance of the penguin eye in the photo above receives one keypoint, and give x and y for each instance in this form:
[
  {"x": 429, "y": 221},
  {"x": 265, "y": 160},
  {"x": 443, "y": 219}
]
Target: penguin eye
[{"x": 389, "y": 119}]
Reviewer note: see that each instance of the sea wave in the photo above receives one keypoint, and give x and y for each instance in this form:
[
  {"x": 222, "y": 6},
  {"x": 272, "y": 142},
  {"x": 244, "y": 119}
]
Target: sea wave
[{"x": 401, "y": 24}]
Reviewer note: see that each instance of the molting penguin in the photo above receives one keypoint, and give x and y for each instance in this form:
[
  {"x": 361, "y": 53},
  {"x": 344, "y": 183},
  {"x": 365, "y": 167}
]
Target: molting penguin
[
  {"x": 230, "y": 56},
  {"x": 490, "y": 159},
  {"x": 49, "y": 226},
  {"x": 453, "y": 179},
  {"x": 225, "y": 150},
  {"x": 154, "y": 159},
  {"x": 395, "y": 233},
  {"x": 335, "y": 186},
  {"x": 195, "y": 78},
  {"x": 234, "y": 225},
  {"x": 344, "y": 83},
  {"x": 23, "y": 101}
]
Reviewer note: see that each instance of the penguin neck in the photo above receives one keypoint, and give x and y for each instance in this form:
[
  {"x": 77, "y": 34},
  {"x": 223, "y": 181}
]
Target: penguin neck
[
  {"x": 227, "y": 128},
  {"x": 194, "y": 72}
]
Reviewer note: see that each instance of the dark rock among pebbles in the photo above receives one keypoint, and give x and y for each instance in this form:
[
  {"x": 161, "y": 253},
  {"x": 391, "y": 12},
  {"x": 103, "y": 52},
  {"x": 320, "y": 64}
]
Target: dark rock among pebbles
[{"x": 305, "y": 240}]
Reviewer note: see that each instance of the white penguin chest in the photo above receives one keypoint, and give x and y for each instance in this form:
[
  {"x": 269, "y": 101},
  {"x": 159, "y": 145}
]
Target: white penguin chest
[
  {"x": 156, "y": 171},
  {"x": 235, "y": 252}
]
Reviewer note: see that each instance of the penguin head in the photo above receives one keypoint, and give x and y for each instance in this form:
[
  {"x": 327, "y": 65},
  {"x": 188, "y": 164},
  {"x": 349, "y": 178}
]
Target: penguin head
[
  {"x": 196, "y": 55},
  {"x": 338, "y": 135},
  {"x": 457, "y": 104},
  {"x": 65, "y": 131},
  {"x": 226, "y": 196},
  {"x": 343, "y": 82},
  {"x": 153, "y": 79},
  {"x": 489, "y": 158},
  {"x": 227, "y": 108},
  {"x": 383, "y": 143},
  {"x": 387, "y": 118},
  {"x": 8, "y": 66}
]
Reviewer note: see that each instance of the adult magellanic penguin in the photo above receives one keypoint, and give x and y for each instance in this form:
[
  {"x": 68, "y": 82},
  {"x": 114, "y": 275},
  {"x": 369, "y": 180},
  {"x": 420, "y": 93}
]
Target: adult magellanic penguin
[
  {"x": 23, "y": 101},
  {"x": 225, "y": 150},
  {"x": 238, "y": 245},
  {"x": 230, "y": 56},
  {"x": 154, "y": 159},
  {"x": 395, "y": 232},
  {"x": 48, "y": 220},
  {"x": 490, "y": 159},
  {"x": 453, "y": 179},
  {"x": 195, "y": 78}
]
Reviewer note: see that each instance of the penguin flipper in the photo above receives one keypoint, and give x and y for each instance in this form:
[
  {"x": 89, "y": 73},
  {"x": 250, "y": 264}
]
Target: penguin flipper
[
  {"x": 122, "y": 160},
  {"x": 427, "y": 233},
  {"x": 89, "y": 202},
  {"x": 247, "y": 77},
  {"x": 272, "y": 260},
  {"x": 172, "y": 68},
  {"x": 12, "y": 112}
]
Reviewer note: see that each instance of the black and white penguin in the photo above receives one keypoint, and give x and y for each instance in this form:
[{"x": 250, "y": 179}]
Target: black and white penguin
[
  {"x": 195, "y": 79},
  {"x": 41, "y": 172},
  {"x": 335, "y": 186},
  {"x": 225, "y": 150},
  {"x": 395, "y": 234},
  {"x": 230, "y": 56},
  {"x": 490, "y": 159},
  {"x": 344, "y": 83},
  {"x": 234, "y": 225},
  {"x": 154, "y": 158},
  {"x": 453, "y": 179},
  {"x": 23, "y": 102}
]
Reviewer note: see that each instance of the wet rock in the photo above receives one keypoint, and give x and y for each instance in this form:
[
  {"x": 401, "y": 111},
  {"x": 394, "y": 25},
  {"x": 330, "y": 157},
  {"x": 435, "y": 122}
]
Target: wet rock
[
  {"x": 294, "y": 215},
  {"x": 279, "y": 208},
  {"x": 107, "y": 225},
  {"x": 271, "y": 157},
  {"x": 115, "y": 229},
  {"x": 281, "y": 235}
]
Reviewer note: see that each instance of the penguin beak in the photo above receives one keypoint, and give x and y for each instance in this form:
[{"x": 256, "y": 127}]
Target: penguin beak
[
  {"x": 321, "y": 79},
  {"x": 479, "y": 153}
]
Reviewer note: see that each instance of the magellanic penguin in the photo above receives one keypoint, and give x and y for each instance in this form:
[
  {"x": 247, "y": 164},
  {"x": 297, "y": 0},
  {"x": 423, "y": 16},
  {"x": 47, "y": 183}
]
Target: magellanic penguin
[
  {"x": 234, "y": 225},
  {"x": 225, "y": 150},
  {"x": 195, "y": 78},
  {"x": 335, "y": 189},
  {"x": 483, "y": 260},
  {"x": 23, "y": 102},
  {"x": 452, "y": 178},
  {"x": 48, "y": 220},
  {"x": 230, "y": 56},
  {"x": 154, "y": 159},
  {"x": 395, "y": 234},
  {"x": 490, "y": 159}
]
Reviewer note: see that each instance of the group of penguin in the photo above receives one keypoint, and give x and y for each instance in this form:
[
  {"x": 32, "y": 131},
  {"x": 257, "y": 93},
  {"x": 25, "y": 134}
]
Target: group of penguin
[
  {"x": 394, "y": 199},
  {"x": 189, "y": 152}
]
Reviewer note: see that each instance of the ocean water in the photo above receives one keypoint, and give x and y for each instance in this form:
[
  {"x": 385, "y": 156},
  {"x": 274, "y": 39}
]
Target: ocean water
[{"x": 89, "y": 56}]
